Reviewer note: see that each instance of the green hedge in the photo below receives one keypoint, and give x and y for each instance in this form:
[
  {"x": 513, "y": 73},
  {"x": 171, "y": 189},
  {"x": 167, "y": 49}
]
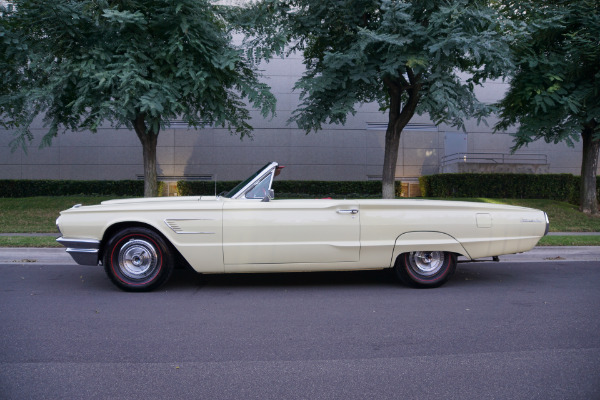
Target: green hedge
[
  {"x": 31, "y": 188},
  {"x": 290, "y": 188},
  {"x": 135, "y": 188},
  {"x": 563, "y": 187},
  {"x": 204, "y": 188},
  {"x": 327, "y": 188}
]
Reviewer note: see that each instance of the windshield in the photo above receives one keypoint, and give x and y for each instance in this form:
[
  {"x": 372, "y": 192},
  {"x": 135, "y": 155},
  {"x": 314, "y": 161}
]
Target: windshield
[{"x": 241, "y": 185}]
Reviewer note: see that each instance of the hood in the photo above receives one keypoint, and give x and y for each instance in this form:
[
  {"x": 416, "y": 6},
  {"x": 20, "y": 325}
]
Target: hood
[{"x": 146, "y": 200}]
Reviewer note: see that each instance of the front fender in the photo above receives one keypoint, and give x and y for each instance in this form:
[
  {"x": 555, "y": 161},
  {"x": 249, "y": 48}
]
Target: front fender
[{"x": 427, "y": 241}]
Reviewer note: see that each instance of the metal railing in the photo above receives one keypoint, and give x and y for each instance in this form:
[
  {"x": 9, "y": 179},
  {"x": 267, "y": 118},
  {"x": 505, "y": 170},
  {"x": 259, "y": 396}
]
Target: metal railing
[{"x": 494, "y": 158}]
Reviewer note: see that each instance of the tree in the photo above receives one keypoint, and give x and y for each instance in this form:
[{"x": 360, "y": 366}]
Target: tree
[
  {"x": 555, "y": 88},
  {"x": 133, "y": 63},
  {"x": 419, "y": 56}
]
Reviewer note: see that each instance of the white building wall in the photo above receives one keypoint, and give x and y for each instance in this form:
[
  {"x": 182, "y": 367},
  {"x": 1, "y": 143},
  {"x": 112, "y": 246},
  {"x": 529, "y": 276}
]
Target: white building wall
[{"x": 350, "y": 152}]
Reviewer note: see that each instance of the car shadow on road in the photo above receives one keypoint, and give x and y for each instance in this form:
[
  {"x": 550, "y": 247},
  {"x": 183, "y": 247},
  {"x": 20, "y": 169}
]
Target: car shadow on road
[
  {"x": 187, "y": 279},
  {"x": 485, "y": 273},
  {"x": 467, "y": 274}
]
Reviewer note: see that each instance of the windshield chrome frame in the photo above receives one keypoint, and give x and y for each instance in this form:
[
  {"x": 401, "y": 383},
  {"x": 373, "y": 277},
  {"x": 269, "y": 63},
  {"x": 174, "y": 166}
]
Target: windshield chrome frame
[{"x": 266, "y": 170}]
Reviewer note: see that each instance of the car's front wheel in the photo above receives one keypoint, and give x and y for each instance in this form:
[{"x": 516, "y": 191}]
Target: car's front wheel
[
  {"x": 137, "y": 259},
  {"x": 425, "y": 269}
]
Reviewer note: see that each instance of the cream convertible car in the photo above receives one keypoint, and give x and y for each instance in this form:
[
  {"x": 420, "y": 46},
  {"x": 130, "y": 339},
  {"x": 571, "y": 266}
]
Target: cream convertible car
[{"x": 139, "y": 241}]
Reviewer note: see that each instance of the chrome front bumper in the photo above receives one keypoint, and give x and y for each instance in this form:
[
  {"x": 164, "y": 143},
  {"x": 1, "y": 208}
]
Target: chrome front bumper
[{"x": 83, "y": 251}]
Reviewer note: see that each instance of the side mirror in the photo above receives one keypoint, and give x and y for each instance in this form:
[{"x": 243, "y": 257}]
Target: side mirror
[{"x": 270, "y": 195}]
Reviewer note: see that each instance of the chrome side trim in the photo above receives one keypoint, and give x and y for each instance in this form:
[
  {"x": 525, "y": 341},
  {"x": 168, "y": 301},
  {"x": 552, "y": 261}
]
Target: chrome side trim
[
  {"x": 172, "y": 223},
  {"x": 83, "y": 251},
  {"x": 84, "y": 256},
  {"x": 79, "y": 243}
]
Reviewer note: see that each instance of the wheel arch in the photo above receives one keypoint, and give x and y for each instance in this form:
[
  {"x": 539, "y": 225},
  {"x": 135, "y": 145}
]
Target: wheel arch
[
  {"x": 119, "y": 226},
  {"x": 426, "y": 241}
]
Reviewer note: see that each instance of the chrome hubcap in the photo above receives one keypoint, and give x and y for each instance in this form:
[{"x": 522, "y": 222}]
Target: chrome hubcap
[
  {"x": 138, "y": 259},
  {"x": 426, "y": 263}
]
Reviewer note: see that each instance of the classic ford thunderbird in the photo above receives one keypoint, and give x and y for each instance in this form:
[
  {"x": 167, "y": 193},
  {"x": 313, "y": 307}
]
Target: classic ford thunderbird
[{"x": 140, "y": 241}]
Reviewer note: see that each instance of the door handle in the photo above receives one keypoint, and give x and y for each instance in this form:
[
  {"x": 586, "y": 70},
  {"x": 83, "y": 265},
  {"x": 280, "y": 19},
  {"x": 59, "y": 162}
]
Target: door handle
[{"x": 353, "y": 211}]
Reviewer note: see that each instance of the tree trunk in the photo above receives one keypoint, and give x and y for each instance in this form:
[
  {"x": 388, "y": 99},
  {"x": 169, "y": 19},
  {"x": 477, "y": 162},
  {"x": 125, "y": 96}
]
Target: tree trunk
[
  {"x": 589, "y": 166},
  {"x": 388, "y": 178},
  {"x": 149, "y": 139},
  {"x": 392, "y": 142},
  {"x": 398, "y": 118}
]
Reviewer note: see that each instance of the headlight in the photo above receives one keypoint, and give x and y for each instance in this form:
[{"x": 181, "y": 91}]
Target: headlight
[{"x": 547, "y": 224}]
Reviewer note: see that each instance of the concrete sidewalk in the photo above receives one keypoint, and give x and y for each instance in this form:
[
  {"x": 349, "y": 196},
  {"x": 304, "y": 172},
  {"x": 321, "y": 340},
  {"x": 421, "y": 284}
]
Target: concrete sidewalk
[
  {"x": 23, "y": 255},
  {"x": 556, "y": 253},
  {"x": 55, "y": 256}
]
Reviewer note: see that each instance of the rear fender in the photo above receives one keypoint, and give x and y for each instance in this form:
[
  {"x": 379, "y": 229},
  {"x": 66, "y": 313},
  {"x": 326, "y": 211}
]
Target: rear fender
[{"x": 427, "y": 241}]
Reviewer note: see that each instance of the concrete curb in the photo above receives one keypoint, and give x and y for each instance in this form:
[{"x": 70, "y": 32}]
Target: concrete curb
[
  {"x": 555, "y": 253},
  {"x": 56, "y": 256},
  {"x": 26, "y": 255}
]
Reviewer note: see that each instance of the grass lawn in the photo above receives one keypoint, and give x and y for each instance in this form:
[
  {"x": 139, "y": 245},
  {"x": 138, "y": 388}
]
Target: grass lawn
[
  {"x": 570, "y": 241},
  {"x": 29, "y": 241},
  {"x": 564, "y": 217},
  {"x": 38, "y": 215}
]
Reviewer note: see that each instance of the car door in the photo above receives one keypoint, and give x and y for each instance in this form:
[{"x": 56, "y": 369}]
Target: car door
[{"x": 290, "y": 232}]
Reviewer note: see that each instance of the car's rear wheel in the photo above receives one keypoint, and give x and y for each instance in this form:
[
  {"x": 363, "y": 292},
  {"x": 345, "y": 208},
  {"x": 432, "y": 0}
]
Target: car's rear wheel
[
  {"x": 137, "y": 259},
  {"x": 425, "y": 269}
]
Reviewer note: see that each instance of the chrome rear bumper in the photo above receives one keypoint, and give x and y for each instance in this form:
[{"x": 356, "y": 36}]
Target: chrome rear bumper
[{"x": 83, "y": 251}]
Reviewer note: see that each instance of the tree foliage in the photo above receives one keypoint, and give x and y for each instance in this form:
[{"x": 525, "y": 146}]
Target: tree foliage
[
  {"x": 132, "y": 63},
  {"x": 554, "y": 90},
  {"x": 419, "y": 56}
]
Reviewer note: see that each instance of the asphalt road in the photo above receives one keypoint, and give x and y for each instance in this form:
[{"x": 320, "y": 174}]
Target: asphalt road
[{"x": 508, "y": 330}]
